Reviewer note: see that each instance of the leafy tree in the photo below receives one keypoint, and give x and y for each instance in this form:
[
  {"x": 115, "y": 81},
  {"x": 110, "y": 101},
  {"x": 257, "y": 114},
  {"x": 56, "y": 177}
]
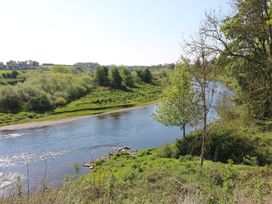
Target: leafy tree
[
  {"x": 202, "y": 68},
  {"x": 102, "y": 76},
  {"x": 178, "y": 106},
  {"x": 127, "y": 79},
  {"x": 10, "y": 100},
  {"x": 146, "y": 76},
  {"x": 115, "y": 78},
  {"x": 244, "y": 41}
]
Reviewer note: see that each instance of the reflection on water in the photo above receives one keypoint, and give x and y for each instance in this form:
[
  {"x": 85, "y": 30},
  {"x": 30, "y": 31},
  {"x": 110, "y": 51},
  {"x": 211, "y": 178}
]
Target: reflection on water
[{"x": 52, "y": 151}]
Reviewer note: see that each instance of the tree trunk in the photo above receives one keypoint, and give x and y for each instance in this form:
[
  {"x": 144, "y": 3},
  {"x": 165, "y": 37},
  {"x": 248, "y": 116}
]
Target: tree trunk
[
  {"x": 203, "y": 141},
  {"x": 184, "y": 130},
  {"x": 205, "y": 111}
]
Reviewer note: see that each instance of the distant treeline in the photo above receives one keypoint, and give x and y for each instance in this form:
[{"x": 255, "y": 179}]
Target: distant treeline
[
  {"x": 19, "y": 65},
  {"x": 91, "y": 65},
  {"x": 30, "y": 64}
]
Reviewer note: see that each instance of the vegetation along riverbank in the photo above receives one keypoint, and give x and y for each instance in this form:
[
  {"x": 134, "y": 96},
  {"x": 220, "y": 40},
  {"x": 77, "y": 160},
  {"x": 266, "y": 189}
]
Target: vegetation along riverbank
[{"x": 57, "y": 92}]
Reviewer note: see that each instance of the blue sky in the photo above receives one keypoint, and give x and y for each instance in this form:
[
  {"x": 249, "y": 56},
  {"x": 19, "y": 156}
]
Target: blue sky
[{"x": 130, "y": 32}]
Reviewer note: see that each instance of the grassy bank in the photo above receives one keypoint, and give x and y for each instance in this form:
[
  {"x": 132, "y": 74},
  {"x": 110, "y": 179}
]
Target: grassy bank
[
  {"x": 100, "y": 100},
  {"x": 147, "y": 177}
]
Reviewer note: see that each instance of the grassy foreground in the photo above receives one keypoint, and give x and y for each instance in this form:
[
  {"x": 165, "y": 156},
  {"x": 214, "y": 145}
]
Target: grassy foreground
[
  {"x": 100, "y": 100},
  {"x": 148, "y": 178}
]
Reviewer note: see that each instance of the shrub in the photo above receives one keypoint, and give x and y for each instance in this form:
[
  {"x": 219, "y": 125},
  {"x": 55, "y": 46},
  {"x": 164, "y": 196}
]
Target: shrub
[
  {"x": 145, "y": 75},
  {"x": 168, "y": 151},
  {"x": 43, "y": 90},
  {"x": 99, "y": 162},
  {"x": 222, "y": 145},
  {"x": 39, "y": 102},
  {"x": 60, "y": 101},
  {"x": 10, "y": 100},
  {"x": 35, "y": 99}
]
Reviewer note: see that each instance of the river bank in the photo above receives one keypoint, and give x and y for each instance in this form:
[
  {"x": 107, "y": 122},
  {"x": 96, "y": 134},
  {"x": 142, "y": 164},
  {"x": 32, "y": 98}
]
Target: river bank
[{"x": 40, "y": 124}]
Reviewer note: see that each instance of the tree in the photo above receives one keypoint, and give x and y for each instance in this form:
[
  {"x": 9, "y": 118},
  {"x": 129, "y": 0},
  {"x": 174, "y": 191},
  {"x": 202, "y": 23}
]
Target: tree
[
  {"x": 202, "y": 55},
  {"x": 101, "y": 76},
  {"x": 36, "y": 99},
  {"x": 115, "y": 78},
  {"x": 10, "y": 100},
  {"x": 127, "y": 79},
  {"x": 244, "y": 41},
  {"x": 178, "y": 106},
  {"x": 147, "y": 76}
]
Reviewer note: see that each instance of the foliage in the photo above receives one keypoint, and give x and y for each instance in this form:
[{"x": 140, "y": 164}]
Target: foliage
[
  {"x": 115, "y": 78},
  {"x": 19, "y": 65},
  {"x": 144, "y": 75},
  {"x": 35, "y": 99},
  {"x": 178, "y": 106},
  {"x": 9, "y": 99},
  {"x": 98, "y": 100},
  {"x": 230, "y": 140},
  {"x": 127, "y": 79},
  {"x": 8, "y": 77},
  {"x": 102, "y": 76},
  {"x": 43, "y": 90},
  {"x": 244, "y": 41}
]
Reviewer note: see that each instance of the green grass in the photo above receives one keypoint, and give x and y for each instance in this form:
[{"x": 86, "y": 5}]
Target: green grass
[
  {"x": 148, "y": 178},
  {"x": 100, "y": 100}
]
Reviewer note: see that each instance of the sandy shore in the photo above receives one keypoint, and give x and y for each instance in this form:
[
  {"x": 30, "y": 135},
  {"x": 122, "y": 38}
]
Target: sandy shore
[{"x": 31, "y": 125}]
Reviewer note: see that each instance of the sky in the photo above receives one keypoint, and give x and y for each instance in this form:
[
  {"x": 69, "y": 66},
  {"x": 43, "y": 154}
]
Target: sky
[{"x": 128, "y": 32}]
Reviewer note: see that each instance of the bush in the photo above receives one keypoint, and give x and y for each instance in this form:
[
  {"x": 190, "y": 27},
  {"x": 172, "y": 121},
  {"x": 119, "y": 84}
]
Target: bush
[
  {"x": 40, "y": 101},
  {"x": 60, "y": 101},
  {"x": 222, "y": 145},
  {"x": 10, "y": 100},
  {"x": 76, "y": 91},
  {"x": 43, "y": 90},
  {"x": 145, "y": 75},
  {"x": 168, "y": 151}
]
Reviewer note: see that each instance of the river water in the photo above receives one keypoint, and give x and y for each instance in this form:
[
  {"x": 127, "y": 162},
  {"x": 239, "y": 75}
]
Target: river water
[{"x": 52, "y": 151}]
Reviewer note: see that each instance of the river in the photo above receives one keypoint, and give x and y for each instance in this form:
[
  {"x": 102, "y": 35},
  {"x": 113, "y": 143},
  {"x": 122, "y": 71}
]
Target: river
[{"x": 52, "y": 151}]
